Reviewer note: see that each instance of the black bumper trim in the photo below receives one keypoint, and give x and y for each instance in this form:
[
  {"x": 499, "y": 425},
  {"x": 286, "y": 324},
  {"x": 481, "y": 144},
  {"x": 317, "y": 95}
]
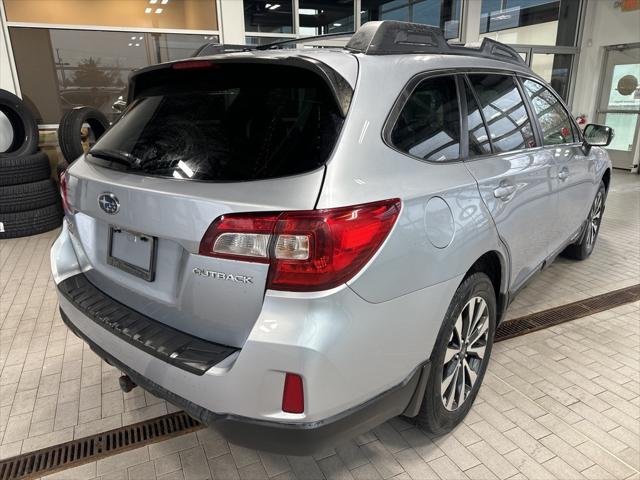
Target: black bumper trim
[
  {"x": 277, "y": 437},
  {"x": 177, "y": 348}
]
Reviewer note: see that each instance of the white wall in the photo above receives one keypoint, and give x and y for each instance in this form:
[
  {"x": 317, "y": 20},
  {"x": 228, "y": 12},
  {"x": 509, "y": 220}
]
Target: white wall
[
  {"x": 6, "y": 77},
  {"x": 604, "y": 25}
]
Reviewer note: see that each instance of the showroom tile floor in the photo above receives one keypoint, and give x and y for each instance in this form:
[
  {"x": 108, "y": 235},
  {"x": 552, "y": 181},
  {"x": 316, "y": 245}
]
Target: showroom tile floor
[{"x": 559, "y": 403}]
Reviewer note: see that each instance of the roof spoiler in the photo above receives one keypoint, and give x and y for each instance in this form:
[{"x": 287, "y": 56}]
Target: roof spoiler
[{"x": 391, "y": 37}]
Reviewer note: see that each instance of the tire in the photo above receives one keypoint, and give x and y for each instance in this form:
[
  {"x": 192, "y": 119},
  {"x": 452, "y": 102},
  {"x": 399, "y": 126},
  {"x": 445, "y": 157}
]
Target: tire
[
  {"x": 24, "y": 169},
  {"x": 434, "y": 416},
  {"x": 30, "y": 222},
  {"x": 25, "y": 128},
  {"x": 582, "y": 248},
  {"x": 69, "y": 131},
  {"x": 28, "y": 196}
]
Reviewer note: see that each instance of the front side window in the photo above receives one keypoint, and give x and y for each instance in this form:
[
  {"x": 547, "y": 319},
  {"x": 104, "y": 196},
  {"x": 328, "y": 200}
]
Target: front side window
[
  {"x": 504, "y": 111},
  {"x": 554, "y": 121},
  {"x": 428, "y": 126}
]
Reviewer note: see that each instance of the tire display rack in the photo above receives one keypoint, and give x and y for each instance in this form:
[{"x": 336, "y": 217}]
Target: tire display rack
[{"x": 29, "y": 199}]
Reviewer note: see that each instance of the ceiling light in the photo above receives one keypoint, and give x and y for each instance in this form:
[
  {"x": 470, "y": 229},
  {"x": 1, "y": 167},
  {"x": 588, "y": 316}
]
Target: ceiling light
[
  {"x": 337, "y": 24},
  {"x": 131, "y": 44},
  {"x": 273, "y": 7},
  {"x": 268, "y": 5},
  {"x": 164, "y": 2},
  {"x": 158, "y": 10},
  {"x": 133, "y": 38},
  {"x": 152, "y": 2},
  {"x": 137, "y": 44},
  {"x": 139, "y": 38},
  {"x": 147, "y": 10}
]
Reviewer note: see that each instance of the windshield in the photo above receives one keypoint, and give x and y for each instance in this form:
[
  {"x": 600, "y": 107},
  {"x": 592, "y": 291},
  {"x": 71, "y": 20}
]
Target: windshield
[{"x": 233, "y": 122}]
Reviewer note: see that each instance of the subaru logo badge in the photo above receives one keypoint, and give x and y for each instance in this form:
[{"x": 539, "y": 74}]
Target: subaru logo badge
[{"x": 109, "y": 203}]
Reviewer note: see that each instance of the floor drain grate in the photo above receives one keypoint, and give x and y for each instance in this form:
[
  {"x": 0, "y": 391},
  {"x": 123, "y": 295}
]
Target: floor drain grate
[
  {"x": 89, "y": 449},
  {"x": 565, "y": 313}
]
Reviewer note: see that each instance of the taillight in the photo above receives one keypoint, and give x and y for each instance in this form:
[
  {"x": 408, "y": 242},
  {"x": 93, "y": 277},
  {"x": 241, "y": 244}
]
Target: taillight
[
  {"x": 307, "y": 250},
  {"x": 240, "y": 236},
  {"x": 65, "y": 194}
]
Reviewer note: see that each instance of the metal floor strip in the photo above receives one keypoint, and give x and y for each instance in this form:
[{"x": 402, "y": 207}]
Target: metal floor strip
[
  {"x": 565, "y": 313},
  {"x": 88, "y": 449}
]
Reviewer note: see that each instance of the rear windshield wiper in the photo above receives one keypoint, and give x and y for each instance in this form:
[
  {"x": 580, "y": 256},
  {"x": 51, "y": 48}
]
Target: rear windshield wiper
[{"x": 116, "y": 156}]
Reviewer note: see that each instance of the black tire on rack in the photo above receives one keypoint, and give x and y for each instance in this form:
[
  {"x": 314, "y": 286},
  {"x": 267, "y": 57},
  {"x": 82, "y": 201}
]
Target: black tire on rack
[
  {"x": 24, "y": 169},
  {"x": 24, "y": 126},
  {"x": 69, "y": 131},
  {"x": 30, "y": 222},
  {"x": 28, "y": 196}
]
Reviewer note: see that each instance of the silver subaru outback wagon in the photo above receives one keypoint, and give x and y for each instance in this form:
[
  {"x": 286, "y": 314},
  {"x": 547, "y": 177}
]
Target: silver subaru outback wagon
[{"x": 295, "y": 245}]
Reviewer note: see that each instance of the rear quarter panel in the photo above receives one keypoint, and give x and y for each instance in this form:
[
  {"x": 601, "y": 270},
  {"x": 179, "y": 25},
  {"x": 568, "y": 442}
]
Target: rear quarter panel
[{"x": 365, "y": 169}]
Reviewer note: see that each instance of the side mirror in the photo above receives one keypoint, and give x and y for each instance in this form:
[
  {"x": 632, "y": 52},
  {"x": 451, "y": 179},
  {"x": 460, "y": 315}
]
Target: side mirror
[
  {"x": 597, "y": 135},
  {"x": 119, "y": 105}
]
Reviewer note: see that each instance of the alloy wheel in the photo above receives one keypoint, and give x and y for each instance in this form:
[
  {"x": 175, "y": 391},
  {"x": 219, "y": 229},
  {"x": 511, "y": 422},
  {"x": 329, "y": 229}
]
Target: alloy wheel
[
  {"x": 595, "y": 216},
  {"x": 465, "y": 353}
]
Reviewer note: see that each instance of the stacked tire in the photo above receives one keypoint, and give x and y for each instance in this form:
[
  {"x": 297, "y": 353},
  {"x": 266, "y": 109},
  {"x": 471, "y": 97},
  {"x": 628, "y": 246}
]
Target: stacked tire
[
  {"x": 29, "y": 199},
  {"x": 70, "y": 133}
]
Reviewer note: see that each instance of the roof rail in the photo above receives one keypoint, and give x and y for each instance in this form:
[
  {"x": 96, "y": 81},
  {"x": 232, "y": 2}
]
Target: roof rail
[{"x": 391, "y": 37}]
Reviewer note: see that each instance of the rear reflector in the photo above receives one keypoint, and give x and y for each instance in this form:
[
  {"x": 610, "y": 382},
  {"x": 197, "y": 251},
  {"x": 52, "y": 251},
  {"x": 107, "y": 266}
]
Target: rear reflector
[
  {"x": 307, "y": 250},
  {"x": 64, "y": 193},
  {"x": 293, "y": 394}
]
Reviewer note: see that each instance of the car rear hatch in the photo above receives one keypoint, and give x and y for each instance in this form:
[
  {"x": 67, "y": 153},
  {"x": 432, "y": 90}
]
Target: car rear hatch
[{"x": 201, "y": 139}]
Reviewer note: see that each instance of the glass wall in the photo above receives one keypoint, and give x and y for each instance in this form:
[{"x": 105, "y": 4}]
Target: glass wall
[
  {"x": 143, "y": 14},
  {"x": 257, "y": 41},
  {"x": 530, "y": 22},
  {"x": 445, "y": 14},
  {"x": 270, "y": 17},
  {"x": 60, "y": 69},
  {"x": 319, "y": 17},
  {"x": 555, "y": 68}
]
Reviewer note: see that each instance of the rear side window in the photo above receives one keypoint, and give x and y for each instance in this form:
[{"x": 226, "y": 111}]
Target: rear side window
[
  {"x": 504, "y": 112},
  {"x": 234, "y": 122},
  {"x": 428, "y": 126},
  {"x": 553, "y": 119}
]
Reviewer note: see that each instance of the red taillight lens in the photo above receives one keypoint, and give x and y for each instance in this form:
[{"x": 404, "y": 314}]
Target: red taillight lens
[
  {"x": 65, "y": 195},
  {"x": 307, "y": 250},
  {"x": 293, "y": 394}
]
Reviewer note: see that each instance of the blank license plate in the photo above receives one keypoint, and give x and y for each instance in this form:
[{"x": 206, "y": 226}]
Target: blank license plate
[{"x": 132, "y": 252}]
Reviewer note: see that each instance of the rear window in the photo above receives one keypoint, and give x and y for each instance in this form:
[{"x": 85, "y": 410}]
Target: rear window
[{"x": 232, "y": 122}]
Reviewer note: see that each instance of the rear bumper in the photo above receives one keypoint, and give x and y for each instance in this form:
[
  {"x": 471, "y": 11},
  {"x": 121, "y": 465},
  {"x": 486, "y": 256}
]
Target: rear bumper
[
  {"x": 279, "y": 437},
  {"x": 358, "y": 361}
]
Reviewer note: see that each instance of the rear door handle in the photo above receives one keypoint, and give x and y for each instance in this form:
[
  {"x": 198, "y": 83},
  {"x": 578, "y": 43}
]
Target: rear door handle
[
  {"x": 504, "y": 191},
  {"x": 563, "y": 174}
]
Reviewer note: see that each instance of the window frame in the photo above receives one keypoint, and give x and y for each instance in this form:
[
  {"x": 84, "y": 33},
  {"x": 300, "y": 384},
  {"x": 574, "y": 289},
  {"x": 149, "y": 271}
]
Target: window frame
[
  {"x": 525, "y": 101},
  {"x": 401, "y": 101},
  {"x": 574, "y": 126},
  {"x": 461, "y": 75}
]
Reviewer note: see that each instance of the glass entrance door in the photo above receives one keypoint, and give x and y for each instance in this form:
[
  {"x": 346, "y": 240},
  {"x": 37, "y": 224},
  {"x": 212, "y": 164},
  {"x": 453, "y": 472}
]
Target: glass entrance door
[{"x": 619, "y": 105}]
